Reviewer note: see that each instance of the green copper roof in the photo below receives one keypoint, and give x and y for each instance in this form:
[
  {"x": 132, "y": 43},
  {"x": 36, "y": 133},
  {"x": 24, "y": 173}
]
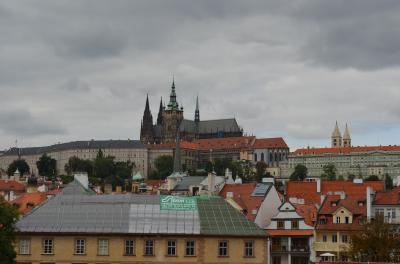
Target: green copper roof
[
  {"x": 137, "y": 177},
  {"x": 217, "y": 217}
]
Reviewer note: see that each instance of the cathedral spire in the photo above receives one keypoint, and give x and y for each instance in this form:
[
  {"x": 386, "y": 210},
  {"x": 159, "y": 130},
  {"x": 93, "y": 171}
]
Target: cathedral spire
[
  {"x": 159, "y": 117},
  {"x": 197, "y": 111},
  {"x": 146, "y": 131},
  {"x": 147, "y": 107},
  {"x": 173, "y": 104}
]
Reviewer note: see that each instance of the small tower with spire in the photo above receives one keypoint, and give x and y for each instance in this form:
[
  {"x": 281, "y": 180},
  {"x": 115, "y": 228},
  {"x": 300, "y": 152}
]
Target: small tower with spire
[
  {"x": 346, "y": 137},
  {"x": 146, "y": 130},
  {"x": 336, "y": 138},
  {"x": 160, "y": 111},
  {"x": 197, "y": 111}
]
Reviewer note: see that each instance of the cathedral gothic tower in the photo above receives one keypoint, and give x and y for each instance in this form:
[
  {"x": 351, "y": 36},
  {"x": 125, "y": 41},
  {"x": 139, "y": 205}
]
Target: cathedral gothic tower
[
  {"x": 336, "y": 138},
  {"x": 146, "y": 130},
  {"x": 171, "y": 118}
]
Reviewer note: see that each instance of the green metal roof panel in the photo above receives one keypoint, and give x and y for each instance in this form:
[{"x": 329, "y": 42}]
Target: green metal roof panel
[{"x": 217, "y": 217}]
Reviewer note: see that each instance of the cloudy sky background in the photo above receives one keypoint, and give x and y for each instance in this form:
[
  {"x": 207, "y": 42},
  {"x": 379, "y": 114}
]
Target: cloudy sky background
[{"x": 77, "y": 70}]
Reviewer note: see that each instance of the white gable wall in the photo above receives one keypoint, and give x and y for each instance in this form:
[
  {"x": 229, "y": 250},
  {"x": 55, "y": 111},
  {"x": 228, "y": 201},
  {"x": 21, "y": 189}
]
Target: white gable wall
[{"x": 268, "y": 208}]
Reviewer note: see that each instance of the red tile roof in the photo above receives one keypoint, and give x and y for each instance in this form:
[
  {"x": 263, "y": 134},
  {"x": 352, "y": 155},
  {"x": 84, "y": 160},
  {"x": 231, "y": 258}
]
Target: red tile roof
[
  {"x": 343, "y": 150},
  {"x": 308, "y": 212},
  {"x": 155, "y": 183},
  {"x": 270, "y": 143},
  {"x": 332, "y": 203},
  {"x": 290, "y": 232},
  {"x": 308, "y": 190},
  {"x": 7, "y": 185},
  {"x": 182, "y": 144},
  {"x": 224, "y": 143},
  {"x": 242, "y": 196},
  {"x": 388, "y": 198},
  {"x": 32, "y": 199}
]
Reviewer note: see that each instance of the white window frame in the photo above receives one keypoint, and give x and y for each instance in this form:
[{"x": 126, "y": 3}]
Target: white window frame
[
  {"x": 223, "y": 248},
  {"x": 171, "y": 247},
  {"x": 102, "y": 247},
  {"x": 191, "y": 246},
  {"x": 80, "y": 246},
  {"x": 249, "y": 248},
  {"x": 24, "y": 246},
  {"x": 48, "y": 246},
  {"x": 131, "y": 246}
]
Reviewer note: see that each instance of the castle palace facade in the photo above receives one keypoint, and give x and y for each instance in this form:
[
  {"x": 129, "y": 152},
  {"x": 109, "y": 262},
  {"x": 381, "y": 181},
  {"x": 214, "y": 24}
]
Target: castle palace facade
[{"x": 171, "y": 124}]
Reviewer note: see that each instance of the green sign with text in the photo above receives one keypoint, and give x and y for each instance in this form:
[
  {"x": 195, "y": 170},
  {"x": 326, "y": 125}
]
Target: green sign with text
[{"x": 177, "y": 203}]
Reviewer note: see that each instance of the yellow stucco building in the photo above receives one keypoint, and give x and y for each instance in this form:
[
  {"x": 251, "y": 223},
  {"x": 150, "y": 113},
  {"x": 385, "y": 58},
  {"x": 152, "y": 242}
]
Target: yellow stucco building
[{"x": 78, "y": 227}]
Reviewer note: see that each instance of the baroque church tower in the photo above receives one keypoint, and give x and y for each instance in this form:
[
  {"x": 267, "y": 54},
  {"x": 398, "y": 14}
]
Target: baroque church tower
[
  {"x": 346, "y": 137},
  {"x": 336, "y": 138}
]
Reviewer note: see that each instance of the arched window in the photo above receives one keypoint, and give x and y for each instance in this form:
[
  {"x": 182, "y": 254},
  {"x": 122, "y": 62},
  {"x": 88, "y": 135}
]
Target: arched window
[
  {"x": 262, "y": 156},
  {"x": 255, "y": 157}
]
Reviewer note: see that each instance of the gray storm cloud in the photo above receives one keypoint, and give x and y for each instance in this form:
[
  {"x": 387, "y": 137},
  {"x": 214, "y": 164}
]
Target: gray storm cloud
[{"x": 288, "y": 69}]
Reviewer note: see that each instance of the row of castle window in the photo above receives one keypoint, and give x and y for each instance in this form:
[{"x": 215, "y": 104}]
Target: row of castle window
[
  {"x": 130, "y": 247},
  {"x": 277, "y": 156}
]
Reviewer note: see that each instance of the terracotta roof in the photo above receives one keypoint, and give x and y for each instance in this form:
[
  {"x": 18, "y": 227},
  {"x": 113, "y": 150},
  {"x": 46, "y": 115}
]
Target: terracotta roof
[
  {"x": 242, "y": 196},
  {"x": 308, "y": 212},
  {"x": 388, "y": 198},
  {"x": 155, "y": 182},
  {"x": 225, "y": 143},
  {"x": 183, "y": 145},
  {"x": 270, "y": 143},
  {"x": 290, "y": 232},
  {"x": 332, "y": 203},
  {"x": 308, "y": 190},
  {"x": 11, "y": 185},
  {"x": 343, "y": 150},
  {"x": 31, "y": 199}
]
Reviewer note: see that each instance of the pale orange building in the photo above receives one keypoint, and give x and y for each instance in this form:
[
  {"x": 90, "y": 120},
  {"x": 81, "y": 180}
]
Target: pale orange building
[{"x": 77, "y": 226}]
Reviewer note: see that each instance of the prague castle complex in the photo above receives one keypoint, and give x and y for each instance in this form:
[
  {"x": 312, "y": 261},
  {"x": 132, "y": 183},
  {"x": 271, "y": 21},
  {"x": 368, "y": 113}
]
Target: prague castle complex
[{"x": 170, "y": 121}]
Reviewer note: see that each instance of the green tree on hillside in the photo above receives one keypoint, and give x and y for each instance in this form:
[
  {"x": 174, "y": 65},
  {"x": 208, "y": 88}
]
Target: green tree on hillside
[
  {"x": 22, "y": 166},
  {"x": 47, "y": 166},
  {"x": 378, "y": 241},
  {"x": 164, "y": 165},
  {"x": 329, "y": 172},
  {"x": 8, "y": 217},
  {"x": 388, "y": 182},
  {"x": 76, "y": 164},
  {"x": 300, "y": 173},
  {"x": 260, "y": 170}
]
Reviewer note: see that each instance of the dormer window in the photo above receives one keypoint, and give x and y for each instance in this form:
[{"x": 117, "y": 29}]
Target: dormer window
[
  {"x": 281, "y": 224},
  {"x": 295, "y": 224},
  {"x": 337, "y": 219},
  {"x": 333, "y": 203},
  {"x": 360, "y": 203}
]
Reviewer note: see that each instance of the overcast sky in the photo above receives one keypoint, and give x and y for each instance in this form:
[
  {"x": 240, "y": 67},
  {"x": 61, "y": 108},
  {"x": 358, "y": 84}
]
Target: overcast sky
[{"x": 79, "y": 70}]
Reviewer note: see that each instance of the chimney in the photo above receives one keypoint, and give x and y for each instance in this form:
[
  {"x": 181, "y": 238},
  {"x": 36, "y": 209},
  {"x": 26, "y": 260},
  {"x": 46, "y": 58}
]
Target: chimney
[
  {"x": 318, "y": 185},
  {"x": 211, "y": 182},
  {"x": 370, "y": 196}
]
